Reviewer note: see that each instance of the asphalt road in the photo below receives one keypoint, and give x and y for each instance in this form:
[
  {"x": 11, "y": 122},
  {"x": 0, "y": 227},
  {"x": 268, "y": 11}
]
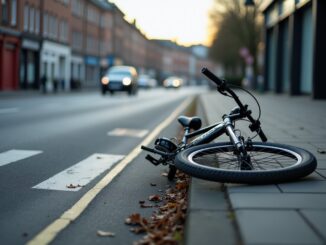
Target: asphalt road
[{"x": 61, "y": 132}]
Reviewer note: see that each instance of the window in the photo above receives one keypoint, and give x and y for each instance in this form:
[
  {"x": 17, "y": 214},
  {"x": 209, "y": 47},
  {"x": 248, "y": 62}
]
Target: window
[
  {"x": 26, "y": 11},
  {"x": 63, "y": 32},
  {"x": 37, "y": 21},
  {"x": 45, "y": 24},
  {"x": 4, "y": 5},
  {"x": 77, "y": 7},
  {"x": 13, "y": 12},
  {"x": 77, "y": 40},
  {"x": 55, "y": 27},
  {"x": 31, "y": 19}
]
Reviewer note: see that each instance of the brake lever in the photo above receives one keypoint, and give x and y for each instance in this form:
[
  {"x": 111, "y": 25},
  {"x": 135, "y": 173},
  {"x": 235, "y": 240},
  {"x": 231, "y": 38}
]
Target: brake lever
[{"x": 221, "y": 91}]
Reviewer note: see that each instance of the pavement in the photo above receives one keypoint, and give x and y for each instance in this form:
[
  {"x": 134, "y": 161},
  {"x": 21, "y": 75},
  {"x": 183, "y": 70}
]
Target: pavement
[{"x": 288, "y": 213}]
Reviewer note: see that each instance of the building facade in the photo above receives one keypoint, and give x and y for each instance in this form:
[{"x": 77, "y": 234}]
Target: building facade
[
  {"x": 9, "y": 45},
  {"x": 58, "y": 45},
  {"x": 295, "y": 47}
]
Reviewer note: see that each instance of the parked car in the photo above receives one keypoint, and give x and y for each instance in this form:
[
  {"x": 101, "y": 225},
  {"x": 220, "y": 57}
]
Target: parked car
[
  {"x": 173, "y": 82},
  {"x": 146, "y": 81},
  {"x": 120, "y": 78}
]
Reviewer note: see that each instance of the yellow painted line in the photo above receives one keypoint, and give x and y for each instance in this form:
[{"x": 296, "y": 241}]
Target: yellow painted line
[{"x": 48, "y": 234}]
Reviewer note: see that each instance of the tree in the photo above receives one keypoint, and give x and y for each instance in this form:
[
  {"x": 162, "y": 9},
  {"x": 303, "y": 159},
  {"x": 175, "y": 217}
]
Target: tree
[{"x": 234, "y": 26}]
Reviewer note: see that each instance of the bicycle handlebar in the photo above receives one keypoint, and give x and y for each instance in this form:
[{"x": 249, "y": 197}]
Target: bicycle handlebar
[
  {"x": 222, "y": 86},
  {"x": 212, "y": 76}
]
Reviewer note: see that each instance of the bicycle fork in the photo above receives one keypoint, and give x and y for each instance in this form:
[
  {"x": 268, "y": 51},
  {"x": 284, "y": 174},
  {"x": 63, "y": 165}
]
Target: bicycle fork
[{"x": 239, "y": 145}]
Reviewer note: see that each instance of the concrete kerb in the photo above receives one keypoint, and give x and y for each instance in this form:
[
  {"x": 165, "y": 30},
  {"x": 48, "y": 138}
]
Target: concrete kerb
[{"x": 210, "y": 220}]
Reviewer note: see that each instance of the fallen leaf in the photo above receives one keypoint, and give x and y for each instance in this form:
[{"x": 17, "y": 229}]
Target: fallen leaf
[
  {"x": 137, "y": 230},
  {"x": 321, "y": 151},
  {"x": 105, "y": 233},
  {"x": 166, "y": 224},
  {"x": 71, "y": 186},
  {"x": 133, "y": 219},
  {"x": 164, "y": 174},
  {"x": 143, "y": 205},
  {"x": 181, "y": 185},
  {"x": 155, "y": 198},
  {"x": 153, "y": 184}
]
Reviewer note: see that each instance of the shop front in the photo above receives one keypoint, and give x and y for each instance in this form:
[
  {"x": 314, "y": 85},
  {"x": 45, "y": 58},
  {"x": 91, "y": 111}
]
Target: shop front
[
  {"x": 77, "y": 72},
  {"x": 9, "y": 60},
  {"x": 30, "y": 65},
  {"x": 55, "y": 67},
  {"x": 92, "y": 65}
]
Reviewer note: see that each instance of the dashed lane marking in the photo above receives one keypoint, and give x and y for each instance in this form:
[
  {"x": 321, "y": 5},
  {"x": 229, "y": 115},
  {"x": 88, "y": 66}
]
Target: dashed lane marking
[
  {"x": 140, "y": 133},
  {"x": 49, "y": 233},
  {"x": 80, "y": 174},
  {"x": 11, "y": 156}
]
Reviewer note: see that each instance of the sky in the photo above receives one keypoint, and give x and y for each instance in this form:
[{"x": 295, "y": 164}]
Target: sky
[{"x": 183, "y": 21}]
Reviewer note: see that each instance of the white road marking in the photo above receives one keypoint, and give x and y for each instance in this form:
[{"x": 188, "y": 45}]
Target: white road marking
[
  {"x": 8, "y": 110},
  {"x": 128, "y": 132},
  {"x": 80, "y": 174},
  {"x": 16, "y": 155}
]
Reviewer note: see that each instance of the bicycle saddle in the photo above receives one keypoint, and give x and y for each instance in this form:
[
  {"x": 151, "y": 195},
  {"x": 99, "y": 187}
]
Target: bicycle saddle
[{"x": 191, "y": 122}]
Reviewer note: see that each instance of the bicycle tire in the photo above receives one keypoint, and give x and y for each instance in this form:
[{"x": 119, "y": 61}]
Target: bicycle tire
[{"x": 197, "y": 161}]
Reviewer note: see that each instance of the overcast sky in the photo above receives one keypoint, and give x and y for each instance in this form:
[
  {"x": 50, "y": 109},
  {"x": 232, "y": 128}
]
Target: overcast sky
[{"x": 184, "y": 21}]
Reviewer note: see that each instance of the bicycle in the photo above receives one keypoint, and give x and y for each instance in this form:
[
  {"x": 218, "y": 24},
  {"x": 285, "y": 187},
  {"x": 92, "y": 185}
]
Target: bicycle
[{"x": 237, "y": 161}]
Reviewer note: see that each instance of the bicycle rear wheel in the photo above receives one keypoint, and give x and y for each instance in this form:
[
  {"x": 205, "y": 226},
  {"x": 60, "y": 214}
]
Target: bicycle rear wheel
[{"x": 271, "y": 163}]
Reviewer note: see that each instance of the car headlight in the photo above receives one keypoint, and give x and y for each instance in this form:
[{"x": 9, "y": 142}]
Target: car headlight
[
  {"x": 105, "y": 80},
  {"x": 176, "y": 83},
  {"x": 126, "y": 81}
]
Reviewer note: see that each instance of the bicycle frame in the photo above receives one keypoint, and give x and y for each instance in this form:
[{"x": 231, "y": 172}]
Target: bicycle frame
[{"x": 212, "y": 132}]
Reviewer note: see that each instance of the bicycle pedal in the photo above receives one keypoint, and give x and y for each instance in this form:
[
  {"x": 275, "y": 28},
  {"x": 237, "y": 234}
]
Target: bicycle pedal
[{"x": 152, "y": 160}]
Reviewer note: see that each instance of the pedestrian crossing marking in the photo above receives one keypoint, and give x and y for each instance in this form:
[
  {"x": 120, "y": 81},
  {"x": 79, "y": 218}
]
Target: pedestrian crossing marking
[
  {"x": 16, "y": 155},
  {"x": 128, "y": 132},
  {"x": 80, "y": 174}
]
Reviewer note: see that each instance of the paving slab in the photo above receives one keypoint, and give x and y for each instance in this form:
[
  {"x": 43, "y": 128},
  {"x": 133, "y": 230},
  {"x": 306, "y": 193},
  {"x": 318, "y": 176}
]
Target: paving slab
[
  {"x": 236, "y": 188},
  {"x": 277, "y": 200},
  {"x": 212, "y": 227},
  {"x": 278, "y": 227},
  {"x": 317, "y": 219},
  {"x": 317, "y": 186}
]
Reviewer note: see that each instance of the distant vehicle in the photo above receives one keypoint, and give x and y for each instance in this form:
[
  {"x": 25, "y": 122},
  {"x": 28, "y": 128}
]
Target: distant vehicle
[
  {"x": 120, "y": 78},
  {"x": 146, "y": 81},
  {"x": 173, "y": 82}
]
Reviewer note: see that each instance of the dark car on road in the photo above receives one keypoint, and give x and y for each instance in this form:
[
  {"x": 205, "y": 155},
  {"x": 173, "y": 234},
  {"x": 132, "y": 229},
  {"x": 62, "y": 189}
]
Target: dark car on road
[{"x": 120, "y": 78}]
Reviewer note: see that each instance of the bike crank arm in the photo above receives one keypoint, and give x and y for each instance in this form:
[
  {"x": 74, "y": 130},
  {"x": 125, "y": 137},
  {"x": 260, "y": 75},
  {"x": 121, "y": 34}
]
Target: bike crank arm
[{"x": 164, "y": 154}]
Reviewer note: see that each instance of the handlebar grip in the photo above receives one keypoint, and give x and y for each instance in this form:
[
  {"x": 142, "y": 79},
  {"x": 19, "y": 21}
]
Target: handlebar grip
[
  {"x": 211, "y": 76},
  {"x": 262, "y": 135}
]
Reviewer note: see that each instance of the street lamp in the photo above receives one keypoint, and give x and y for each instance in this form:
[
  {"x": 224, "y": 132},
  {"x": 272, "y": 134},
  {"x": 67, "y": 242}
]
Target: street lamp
[{"x": 249, "y": 3}]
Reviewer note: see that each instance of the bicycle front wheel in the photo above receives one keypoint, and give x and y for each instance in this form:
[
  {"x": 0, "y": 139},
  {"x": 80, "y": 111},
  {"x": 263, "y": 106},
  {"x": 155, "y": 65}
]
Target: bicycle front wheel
[{"x": 271, "y": 163}]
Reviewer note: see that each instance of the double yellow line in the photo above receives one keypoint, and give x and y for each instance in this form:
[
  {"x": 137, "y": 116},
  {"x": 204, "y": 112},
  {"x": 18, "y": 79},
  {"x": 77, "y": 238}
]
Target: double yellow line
[{"x": 48, "y": 234}]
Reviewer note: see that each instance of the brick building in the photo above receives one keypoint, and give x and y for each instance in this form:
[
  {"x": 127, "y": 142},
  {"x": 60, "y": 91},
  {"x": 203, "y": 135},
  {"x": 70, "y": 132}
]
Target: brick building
[
  {"x": 9, "y": 45},
  {"x": 65, "y": 44}
]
